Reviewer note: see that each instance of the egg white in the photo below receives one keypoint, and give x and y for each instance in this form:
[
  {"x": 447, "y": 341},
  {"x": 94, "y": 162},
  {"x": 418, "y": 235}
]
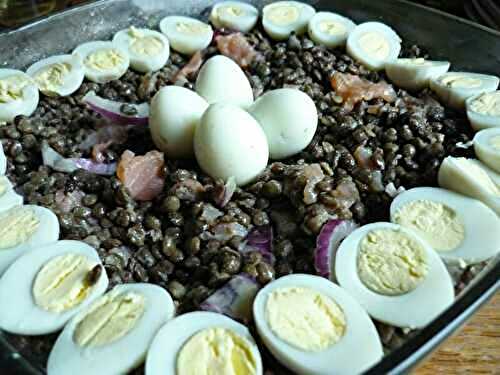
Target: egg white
[
  {"x": 228, "y": 142},
  {"x": 478, "y": 120},
  {"x": 456, "y": 96},
  {"x": 174, "y": 115},
  {"x": 414, "y": 309},
  {"x": 355, "y": 50},
  {"x": 411, "y": 76},
  {"x": 186, "y": 43},
  {"x": 289, "y": 118},
  {"x": 140, "y": 62},
  {"x": 283, "y": 31},
  {"x": 482, "y": 225},
  {"x": 321, "y": 37},
  {"x": 243, "y": 22},
  {"x": 47, "y": 232},
  {"x": 221, "y": 80},
  {"x": 25, "y": 106},
  {"x": 9, "y": 198},
  {"x": 3, "y": 161},
  {"x": 99, "y": 76},
  {"x": 162, "y": 355},
  {"x": 360, "y": 336},
  {"x": 22, "y": 316},
  {"x": 122, "y": 355},
  {"x": 72, "y": 80},
  {"x": 485, "y": 151}
]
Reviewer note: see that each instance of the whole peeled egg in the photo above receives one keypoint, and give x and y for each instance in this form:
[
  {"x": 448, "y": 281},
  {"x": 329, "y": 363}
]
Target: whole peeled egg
[
  {"x": 221, "y": 80},
  {"x": 229, "y": 143},
  {"x": 174, "y": 114},
  {"x": 289, "y": 118}
]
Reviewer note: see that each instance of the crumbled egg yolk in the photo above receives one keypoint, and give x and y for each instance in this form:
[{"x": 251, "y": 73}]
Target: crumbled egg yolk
[
  {"x": 216, "y": 351},
  {"x": 495, "y": 142},
  {"x": 435, "y": 222},
  {"x": 11, "y": 88},
  {"x": 305, "y": 318},
  {"x": 230, "y": 10},
  {"x": 144, "y": 45},
  {"x": 283, "y": 14},
  {"x": 52, "y": 77},
  {"x": 104, "y": 59},
  {"x": 459, "y": 81},
  {"x": 17, "y": 225},
  {"x": 488, "y": 104},
  {"x": 332, "y": 28},
  {"x": 110, "y": 318},
  {"x": 191, "y": 28},
  {"x": 390, "y": 262},
  {"x": 375, "y": 45},
  {"x": 62, "y": 284}
]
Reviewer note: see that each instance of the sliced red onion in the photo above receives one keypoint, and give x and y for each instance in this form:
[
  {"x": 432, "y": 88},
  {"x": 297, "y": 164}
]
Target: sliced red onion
[
  {"x": 226, "y": 231},
  {"x": 226, "y": 192},
  {"x": 56, "y": 161},
  {"x": 327, "y": 243},
  {"x": 66, "y": 201},
  {"x": 112, "y": 110},
  {"x": 210, "y": 213},
  {"x": 261, "y": 239},
  {"x": 390, "y": 190},
  {"x": 234, "y": 299}
]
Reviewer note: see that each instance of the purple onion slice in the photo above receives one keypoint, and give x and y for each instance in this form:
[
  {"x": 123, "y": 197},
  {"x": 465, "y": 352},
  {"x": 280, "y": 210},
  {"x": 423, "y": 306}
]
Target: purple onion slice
[
  {"x": 112, "y": 110},
  {"x": 327, "y": 243},
  {"x": 234, "y": 299},
  {"x": 261, "y": 239}
]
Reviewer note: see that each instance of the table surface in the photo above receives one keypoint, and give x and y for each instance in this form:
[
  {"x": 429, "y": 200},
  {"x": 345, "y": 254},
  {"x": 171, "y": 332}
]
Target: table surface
[{"x": 475, "y": 349}]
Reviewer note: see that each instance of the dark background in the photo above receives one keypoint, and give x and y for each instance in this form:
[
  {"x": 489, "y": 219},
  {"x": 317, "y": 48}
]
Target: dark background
[{"x": 16, "y": 12}]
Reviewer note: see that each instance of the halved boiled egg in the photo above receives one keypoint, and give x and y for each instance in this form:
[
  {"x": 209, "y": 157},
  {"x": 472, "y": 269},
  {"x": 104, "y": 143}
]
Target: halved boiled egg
[
  {"x": 414, "y": 74},
  {"x": 148, "y": 49},
  {"x": 395, "y": 275},
  {"x": 48, "y": 285},
  {"x": 373, "y": 44},
  {"x": 113, "y": 334},
  {"x": 483, "y": 110},
  {"x": 186, "y": 35},
  {"x": 23, "y": 228},
  {"x": 487, "y": 147},
  {"x": 453, "y": 88},
  {"x": 3, "y": 161},
  {"x": 18, "y": 94},
  {"x": 457, "y": 227},
  {"x": 103, "y": 61},
  {"x": 312, "y": 326},
  {"x": 282, "y": 18},
  {"x": 8, "y": 197},
  {"x": 468, "y": 178},
  {"x": 203, "y": 343},
  {"x": 221, "y": 80},
  {"x": 234, "y": 15},
  {"x": 330, "y": 29},
  {"x": 58, "y": 75}
]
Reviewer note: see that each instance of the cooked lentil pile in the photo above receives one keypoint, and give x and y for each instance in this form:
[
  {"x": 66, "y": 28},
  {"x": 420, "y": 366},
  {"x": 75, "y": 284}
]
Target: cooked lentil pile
[{"x": 170, "y": 241}]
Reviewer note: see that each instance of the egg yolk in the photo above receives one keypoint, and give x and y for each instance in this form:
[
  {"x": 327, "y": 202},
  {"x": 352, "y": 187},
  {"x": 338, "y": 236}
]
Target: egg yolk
[
  {"x": 332, "y": 27},
  {"x": 283, "y": 15},
  {"x": 11, "y": 88},
  {"x": 488, "y": 104},
  {"x": 52, "y": 77},
  {"x": 62, "y": 283},
  {"x": 461, "y": 82},
  {"x": 17, "y": 225},
  {"x": 144, "y": 45},
  {"x": 375, "y": 45},
  {"x": 109, "y": 319},
  {"x": 104, "y": 59},
  {"x": 305, "y": 318},
  {"x": 230, "y": 10},
  {"x": 495, "y": 142},
  {"x": 216, "y": 351},
  {"x": 435, "y": 222},
  {"x": 390, "y": 262},
  {"x": 192, "y": 28}
]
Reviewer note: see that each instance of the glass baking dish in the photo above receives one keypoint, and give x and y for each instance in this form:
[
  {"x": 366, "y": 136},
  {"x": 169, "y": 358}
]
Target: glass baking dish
[{"x": 469, "y": 46}]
